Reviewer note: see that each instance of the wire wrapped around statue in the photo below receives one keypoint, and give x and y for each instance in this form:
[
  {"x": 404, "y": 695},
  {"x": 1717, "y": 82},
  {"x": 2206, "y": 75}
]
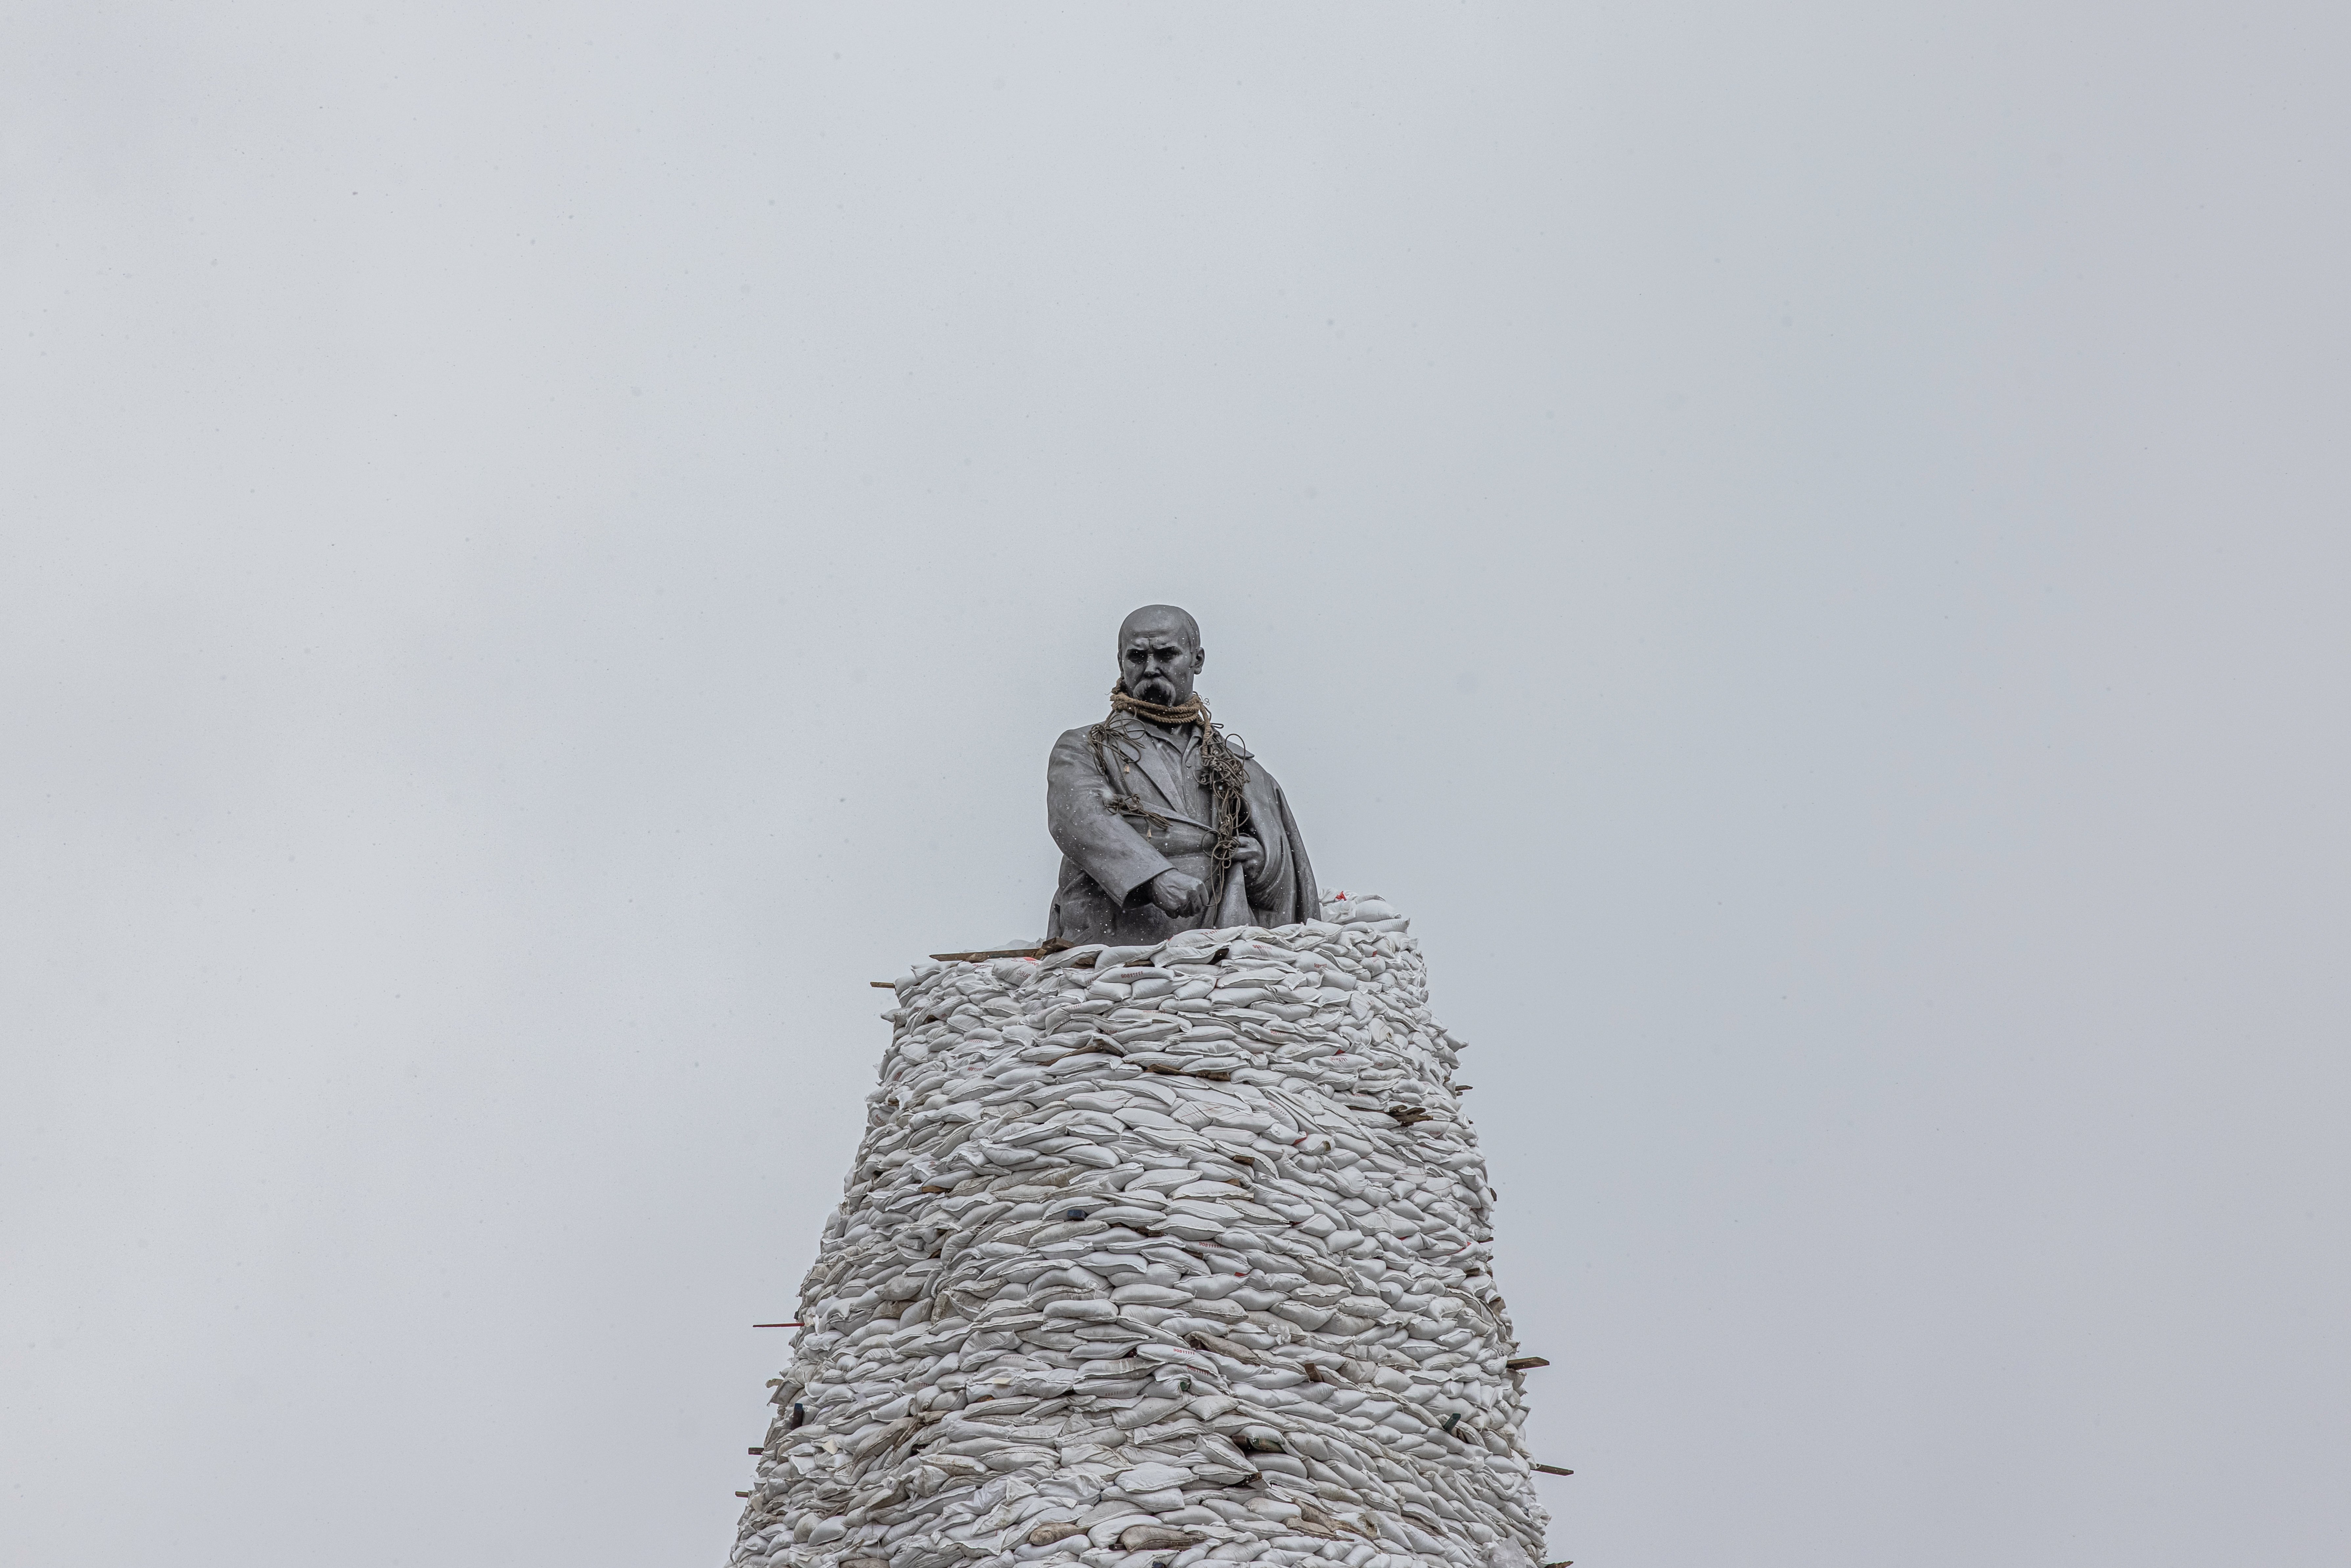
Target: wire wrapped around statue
[{"x": 1124, "y": 810}]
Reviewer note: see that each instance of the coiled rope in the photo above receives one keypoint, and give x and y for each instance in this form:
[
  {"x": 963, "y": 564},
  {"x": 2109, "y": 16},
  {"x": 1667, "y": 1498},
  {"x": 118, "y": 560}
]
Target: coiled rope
[{"x": 1221, "y": 773}]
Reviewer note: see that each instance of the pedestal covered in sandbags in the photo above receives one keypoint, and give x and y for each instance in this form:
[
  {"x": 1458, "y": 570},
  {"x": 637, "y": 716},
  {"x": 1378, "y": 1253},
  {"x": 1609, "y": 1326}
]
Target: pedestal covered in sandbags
[{"x": 1158, "y": 1256}]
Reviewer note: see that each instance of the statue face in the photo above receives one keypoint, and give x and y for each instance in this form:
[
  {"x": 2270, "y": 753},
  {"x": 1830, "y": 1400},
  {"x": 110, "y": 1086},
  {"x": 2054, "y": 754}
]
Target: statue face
[{"x": 1159, "y": 654}]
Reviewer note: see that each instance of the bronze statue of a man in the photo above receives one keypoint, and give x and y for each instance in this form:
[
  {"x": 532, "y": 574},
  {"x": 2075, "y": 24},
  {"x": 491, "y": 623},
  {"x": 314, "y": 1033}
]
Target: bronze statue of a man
[{"x": 1165, "y": 822}]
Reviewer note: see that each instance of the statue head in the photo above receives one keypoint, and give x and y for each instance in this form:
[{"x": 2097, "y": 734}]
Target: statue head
[{"x": 1159, "y": 654}]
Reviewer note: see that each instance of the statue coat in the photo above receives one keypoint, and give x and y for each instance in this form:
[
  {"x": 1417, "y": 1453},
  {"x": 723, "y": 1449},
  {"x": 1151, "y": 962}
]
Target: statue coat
[{"x": 1108, "y": 859}]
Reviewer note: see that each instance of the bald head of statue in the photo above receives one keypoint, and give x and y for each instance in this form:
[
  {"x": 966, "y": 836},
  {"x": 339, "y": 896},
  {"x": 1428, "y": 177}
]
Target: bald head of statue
[{"x": 1159, "y": 654}]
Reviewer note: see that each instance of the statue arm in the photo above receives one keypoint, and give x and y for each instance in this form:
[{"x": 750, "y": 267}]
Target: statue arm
[
  {"x": 1103, "y": 843},
  {"x": 1306, "y": 895},
  {"x": 1283, "y": 881}
]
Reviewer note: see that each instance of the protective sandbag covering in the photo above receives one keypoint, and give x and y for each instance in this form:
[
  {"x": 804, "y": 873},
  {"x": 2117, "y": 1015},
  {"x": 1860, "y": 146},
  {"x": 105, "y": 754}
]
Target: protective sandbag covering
[{"x": 1153, "y": 1257}]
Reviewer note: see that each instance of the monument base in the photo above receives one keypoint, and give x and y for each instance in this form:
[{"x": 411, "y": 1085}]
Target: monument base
[{"x": 1158, "y": 1256}]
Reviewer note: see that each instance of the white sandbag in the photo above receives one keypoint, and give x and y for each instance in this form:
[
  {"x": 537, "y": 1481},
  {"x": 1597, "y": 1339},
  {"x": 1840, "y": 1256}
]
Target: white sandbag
[{"x": 1178, "y": 1251}]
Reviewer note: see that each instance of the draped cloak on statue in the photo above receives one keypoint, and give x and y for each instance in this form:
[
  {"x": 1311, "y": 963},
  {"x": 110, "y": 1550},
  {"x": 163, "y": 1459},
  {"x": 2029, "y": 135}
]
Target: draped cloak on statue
[{"x": 1109, "y": 856}]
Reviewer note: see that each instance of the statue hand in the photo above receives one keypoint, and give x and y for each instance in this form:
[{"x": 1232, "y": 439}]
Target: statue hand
[
  {"x": 1247, "y": 851},
  {"x": 1179, "y": 892}
]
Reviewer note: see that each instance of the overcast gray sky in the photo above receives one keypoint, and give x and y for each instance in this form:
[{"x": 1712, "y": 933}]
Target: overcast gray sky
[{"x": 544, "y": 546}]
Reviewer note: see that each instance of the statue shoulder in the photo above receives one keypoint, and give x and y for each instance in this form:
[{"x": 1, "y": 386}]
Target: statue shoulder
[
  {"x": 1259, "y": 775},
  {"x": 1118, "y": 722},
  {"x": 1078, "y": 743}
]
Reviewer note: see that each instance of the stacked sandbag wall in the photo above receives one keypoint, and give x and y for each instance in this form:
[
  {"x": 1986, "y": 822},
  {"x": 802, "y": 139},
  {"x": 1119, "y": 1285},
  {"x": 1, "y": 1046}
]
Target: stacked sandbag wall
[{"x": 1153, "y": 1256}]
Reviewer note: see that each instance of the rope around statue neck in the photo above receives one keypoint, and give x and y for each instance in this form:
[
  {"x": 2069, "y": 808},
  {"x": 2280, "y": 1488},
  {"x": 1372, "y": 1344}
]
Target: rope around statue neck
[{"x": 1220, "y": 771}]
